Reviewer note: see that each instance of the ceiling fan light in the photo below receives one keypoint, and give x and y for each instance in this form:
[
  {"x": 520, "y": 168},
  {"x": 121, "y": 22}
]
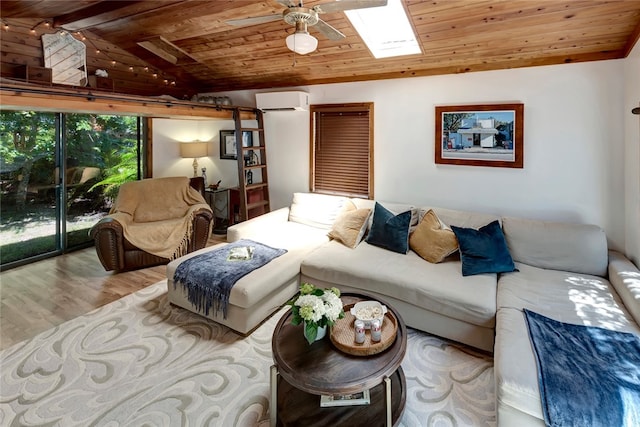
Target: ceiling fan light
[{"x": 301, "y": 43}]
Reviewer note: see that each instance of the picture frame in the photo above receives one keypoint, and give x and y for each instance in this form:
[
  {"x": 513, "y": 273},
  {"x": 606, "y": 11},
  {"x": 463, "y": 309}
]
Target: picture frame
[
  {"x": 480, "y": 135},
  {"x": 228, "y": 143}
]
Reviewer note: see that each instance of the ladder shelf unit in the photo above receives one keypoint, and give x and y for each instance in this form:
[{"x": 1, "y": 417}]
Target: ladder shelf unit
[{"x": 253, "y": 180}]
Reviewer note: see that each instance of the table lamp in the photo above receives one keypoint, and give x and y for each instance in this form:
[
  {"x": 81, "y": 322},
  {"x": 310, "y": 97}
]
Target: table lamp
[{"x": 194, "y": 150}]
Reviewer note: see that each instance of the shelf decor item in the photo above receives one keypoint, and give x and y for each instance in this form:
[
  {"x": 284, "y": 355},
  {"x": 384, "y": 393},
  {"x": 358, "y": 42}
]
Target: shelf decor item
[
  {"x": 317, "y": 309},
  {"x": 228, "y": 149}
]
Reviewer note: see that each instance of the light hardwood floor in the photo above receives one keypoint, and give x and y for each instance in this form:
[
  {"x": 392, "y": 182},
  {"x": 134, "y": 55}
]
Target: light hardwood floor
[{"x": 44, "y": 294}]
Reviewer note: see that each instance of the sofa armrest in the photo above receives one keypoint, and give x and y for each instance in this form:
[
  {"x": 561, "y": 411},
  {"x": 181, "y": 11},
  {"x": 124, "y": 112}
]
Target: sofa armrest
[
  {"x": 625, "y": 278},
  {"x": 108, "y": 238},
  {"x": 246, "y": 229},
  {"x": 202, "y": 225}
]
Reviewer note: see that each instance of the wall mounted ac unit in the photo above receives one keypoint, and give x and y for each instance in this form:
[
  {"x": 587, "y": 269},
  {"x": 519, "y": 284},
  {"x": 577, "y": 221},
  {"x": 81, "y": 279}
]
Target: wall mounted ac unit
[{"x": 283, "y": 101}]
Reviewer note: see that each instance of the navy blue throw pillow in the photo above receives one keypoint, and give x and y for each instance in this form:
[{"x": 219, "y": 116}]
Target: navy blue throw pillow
[
  {"x": 484, "y": 250},
  {"x": 390, "y": 231}
]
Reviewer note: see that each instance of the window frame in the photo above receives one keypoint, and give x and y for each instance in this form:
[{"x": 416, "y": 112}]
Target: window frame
[{"x": 367, "y": 107}]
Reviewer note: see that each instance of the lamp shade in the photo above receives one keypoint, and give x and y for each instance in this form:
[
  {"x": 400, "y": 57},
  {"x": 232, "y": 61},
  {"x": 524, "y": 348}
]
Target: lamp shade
[
  {"x": 301, "y": 43},
  {"x": 193, "y": 149}
]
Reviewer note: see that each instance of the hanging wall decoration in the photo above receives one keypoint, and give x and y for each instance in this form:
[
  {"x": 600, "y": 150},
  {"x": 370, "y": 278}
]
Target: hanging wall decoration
[
  {"x": 480, "y": 135},
  {"x": 228, "y": 148},
  {"x": 66, "y": 57}
]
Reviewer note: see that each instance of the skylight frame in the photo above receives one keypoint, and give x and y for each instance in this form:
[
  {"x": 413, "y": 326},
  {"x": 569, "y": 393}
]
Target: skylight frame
[{"x": 370, "y": 22}]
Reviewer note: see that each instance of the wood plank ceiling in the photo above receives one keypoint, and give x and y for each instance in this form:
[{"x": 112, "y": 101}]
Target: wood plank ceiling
[{"x": 207, "y": 54}]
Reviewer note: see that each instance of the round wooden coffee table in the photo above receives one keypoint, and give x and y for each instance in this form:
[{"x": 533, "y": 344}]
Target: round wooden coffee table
[{"x": 303, "y": 372}]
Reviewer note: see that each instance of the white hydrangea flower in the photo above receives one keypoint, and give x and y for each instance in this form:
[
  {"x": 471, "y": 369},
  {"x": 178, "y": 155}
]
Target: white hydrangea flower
[
  {"x": 333, "y": 306},
  {"x": 311, "y": 307}
]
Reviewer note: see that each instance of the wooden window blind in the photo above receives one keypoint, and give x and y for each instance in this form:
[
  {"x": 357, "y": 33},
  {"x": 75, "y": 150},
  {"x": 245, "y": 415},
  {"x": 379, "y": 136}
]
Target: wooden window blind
[{"x": 342, "y": 154}]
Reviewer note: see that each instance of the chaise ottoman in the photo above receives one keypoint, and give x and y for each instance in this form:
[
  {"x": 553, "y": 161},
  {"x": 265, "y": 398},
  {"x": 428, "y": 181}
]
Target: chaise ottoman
[
  {"x": 256, "y": 296},
  {"x": 253, "y": 298}
]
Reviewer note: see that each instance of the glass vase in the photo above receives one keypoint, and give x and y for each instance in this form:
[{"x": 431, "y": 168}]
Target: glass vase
[{"x": 322, "y": 331}]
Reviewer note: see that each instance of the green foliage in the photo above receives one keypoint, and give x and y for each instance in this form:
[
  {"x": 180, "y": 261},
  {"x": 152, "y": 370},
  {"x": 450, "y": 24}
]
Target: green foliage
[
  {"x": 453, "y": 121},
  {"x": 125, "y": 170},
  {"x": 108, "y": 142},
  {"x": 32, "y": 247},
  {"x": 26, "y": 134},
  {"x": 312, "y": 302}
]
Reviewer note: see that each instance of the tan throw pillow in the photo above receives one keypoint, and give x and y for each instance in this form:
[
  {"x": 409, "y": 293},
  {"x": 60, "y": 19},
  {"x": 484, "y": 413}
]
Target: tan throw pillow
[
  {"x": 432, "y": 239},
  {"x": 350, "y": 226}
]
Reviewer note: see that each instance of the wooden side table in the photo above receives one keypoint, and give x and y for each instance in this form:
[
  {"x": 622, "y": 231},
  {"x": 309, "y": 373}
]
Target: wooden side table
[
  {"x": 225, "y": 203},
  {"x": 302, "y": 372}
]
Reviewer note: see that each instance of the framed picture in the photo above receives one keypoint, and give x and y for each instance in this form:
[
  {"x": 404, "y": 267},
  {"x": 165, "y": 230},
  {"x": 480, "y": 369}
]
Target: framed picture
[
  {"x": 480, "y": 135},
  {"x": 228, "y": 143}
]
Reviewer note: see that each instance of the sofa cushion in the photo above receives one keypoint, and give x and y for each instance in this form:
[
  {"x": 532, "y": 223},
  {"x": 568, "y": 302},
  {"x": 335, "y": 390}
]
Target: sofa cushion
[
  {"x": 435, "y": 287},
  {"x": 396, "y": 208},
  {"x": 390, "y": 231},
  {"x": 432, "y": 239},
  {"x": 316, "y": 210},
  {"x": 460, "y": 218},
  {"x": 581, "y": 248},
  {"x": 350, "y": 227},
  {"x": 483, "y": 250},
  {"x": 565, "y": 296}
]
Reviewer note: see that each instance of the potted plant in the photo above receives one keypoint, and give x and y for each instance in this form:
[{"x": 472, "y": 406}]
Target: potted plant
[{"x": 317, "y": 309}]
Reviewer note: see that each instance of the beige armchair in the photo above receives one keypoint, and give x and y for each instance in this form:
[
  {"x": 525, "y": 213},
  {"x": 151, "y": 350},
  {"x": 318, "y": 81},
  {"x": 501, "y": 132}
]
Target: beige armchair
[{"x": 152, "y": 222}]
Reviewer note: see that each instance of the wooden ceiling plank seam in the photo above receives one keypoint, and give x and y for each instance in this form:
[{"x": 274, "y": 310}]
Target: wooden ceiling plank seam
[
  {"x": 161, "y": 25},
  {"x": 525, "y": 43},
  {"x": 518, "y": 10},
  {"x": 538, "y": 29}
]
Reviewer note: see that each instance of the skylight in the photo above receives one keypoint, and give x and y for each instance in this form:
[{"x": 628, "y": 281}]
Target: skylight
[{"x": 385, "y": 30}]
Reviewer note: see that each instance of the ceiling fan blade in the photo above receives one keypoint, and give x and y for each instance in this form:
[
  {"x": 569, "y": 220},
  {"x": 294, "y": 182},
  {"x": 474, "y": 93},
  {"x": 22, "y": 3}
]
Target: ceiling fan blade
[
  {"x": 338, "y": 6},
  {"x": 329, "y": 32},
  {"x": 254, "y": 21}
]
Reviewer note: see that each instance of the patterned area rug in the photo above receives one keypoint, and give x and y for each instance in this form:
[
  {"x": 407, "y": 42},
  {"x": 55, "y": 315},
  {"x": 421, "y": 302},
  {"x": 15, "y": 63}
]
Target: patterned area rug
[{"x": 140, "y": 361}]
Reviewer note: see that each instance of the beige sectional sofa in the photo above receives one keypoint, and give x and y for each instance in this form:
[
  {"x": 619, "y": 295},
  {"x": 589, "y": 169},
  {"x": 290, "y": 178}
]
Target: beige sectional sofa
[{"x": 564, "y": 271}]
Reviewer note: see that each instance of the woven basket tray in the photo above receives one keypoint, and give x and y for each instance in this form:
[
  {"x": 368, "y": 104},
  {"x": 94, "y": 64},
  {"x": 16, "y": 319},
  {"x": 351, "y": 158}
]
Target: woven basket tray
[{"x": 343, "y": 336}]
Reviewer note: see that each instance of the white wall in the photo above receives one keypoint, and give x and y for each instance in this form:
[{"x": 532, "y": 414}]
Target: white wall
[
  {"x": 167, "y": 135},
  {"x": 574, "y": 140},
  {"x": 632, "y": 154}
]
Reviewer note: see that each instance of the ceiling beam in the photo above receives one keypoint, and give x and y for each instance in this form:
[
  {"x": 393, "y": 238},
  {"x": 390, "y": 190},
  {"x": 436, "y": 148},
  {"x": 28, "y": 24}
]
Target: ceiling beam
[
  {"x": 101, "y": 13},
  {"x": 166, "y": 50},
  {"x": 29, "y": 97}
]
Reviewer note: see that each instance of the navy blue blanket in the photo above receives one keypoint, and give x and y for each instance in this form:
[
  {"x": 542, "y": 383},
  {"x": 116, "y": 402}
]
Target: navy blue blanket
[
  {"x": 588, "y": 376},
  {"x": 209, "y": 277}
]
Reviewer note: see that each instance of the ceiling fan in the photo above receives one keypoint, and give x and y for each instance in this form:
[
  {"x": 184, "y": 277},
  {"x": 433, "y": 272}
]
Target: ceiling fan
[{"x": 302, "y": 17}]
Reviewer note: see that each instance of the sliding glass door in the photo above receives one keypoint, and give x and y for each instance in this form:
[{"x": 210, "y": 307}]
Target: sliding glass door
[
  {"x": 59, "y": 174},
  {"x": 101, "y": 152},
  {"x": 29, "y": 214}
]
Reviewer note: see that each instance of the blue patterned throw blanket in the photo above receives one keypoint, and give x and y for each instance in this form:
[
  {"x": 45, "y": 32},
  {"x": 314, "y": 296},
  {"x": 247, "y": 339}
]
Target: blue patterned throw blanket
[
  {"x": 209, "y": 277},
  {"x": 588, "y": 376}
]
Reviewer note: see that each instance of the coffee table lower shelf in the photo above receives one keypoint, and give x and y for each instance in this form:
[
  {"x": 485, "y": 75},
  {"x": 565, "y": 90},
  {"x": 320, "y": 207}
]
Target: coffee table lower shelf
[{"x": 298, "y": 408}]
